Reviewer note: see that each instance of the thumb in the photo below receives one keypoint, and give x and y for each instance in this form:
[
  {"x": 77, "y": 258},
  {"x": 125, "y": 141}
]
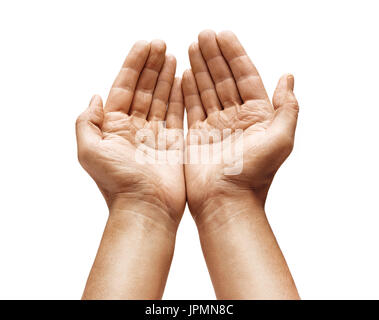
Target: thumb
[
  {"x": 286, "y": 106},
  {"x": 88, "y": 124}
]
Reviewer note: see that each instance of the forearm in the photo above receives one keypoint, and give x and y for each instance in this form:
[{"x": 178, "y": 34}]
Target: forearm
[
  {"x": 242, "y": 255},
  {"x": 134, "y": 256}
]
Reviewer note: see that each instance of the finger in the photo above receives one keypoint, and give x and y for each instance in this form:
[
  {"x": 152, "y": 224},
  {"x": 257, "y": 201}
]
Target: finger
[
  {"x": 89, "y": 123},
  {"x": 286, "y": 106},
  {"x": 146, "y": 83},
  {"x": 162, "y": 90},
  {"x": 122, "y": 91},
  {"x": 222, "y": 76},
  {"x": 248, "y": 80},
  {"x": 175, "y": 110},
  {"x": 204, "y": 80},
  {"x": 192, "y": 102}
]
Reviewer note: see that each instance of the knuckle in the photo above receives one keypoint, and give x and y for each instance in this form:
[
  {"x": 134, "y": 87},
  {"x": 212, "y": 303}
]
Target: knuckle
[{"x": 293, "y": 105}]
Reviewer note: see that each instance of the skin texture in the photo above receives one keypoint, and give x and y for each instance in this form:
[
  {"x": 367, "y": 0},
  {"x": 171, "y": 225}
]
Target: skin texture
[
  {"x": 146, "y": 201},
  {"x": 223, "y": 90}
]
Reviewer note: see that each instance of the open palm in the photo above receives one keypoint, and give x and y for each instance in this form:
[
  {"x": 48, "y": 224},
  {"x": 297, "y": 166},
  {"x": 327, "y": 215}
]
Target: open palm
[
  {"x": 224, "y": 91},
  {"x": 109, "y": 138}
]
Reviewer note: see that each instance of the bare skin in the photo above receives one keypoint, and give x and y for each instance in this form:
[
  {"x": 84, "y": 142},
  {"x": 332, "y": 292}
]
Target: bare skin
[
  {"x": 224, "y": 90},
  {"x": 146, "y": 201}
]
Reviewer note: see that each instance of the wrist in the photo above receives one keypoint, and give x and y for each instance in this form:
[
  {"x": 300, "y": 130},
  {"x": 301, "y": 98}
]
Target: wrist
[
  {"x": 135, "y": 245},
  {"x": 218, "y": 211},
  {"x": 144, "y": 214},
  {"x": 241, "y": 251}
]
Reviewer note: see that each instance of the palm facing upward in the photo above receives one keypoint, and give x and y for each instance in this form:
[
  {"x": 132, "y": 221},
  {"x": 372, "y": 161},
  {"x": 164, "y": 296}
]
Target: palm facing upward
[
  {"x": 224, "y": 91},
  {"x": 108, "y": 138}
]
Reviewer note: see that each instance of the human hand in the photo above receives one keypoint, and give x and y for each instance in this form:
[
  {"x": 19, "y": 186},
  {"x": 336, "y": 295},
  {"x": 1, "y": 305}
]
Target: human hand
[
  {"x": 224, "y": 91},
  {"x": 108, "y": 138}
]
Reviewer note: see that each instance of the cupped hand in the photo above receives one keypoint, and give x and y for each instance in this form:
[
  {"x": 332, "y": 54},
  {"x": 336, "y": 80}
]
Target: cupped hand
[
  {"x": 143, "y": 95},
  {"x": 224, "y": 91}
]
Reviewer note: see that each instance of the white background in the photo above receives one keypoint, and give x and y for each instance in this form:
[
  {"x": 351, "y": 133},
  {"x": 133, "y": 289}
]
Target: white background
[{"x": 323, "y": 204}]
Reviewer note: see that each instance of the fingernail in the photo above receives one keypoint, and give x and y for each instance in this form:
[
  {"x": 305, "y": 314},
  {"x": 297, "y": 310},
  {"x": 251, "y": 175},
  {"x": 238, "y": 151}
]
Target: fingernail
[{"x": 290, "y": 82}]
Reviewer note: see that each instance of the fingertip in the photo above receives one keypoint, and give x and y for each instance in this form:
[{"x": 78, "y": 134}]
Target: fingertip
[
  {"x": 286, "y": 82},
  {"x": 94, "y": 113},
  {"x": 284, "y": 94},
  {"x": 290, "y": 82},
  {"x": 170, "y": 58},
  {"x": 158, "y": 45},
  {"x": 206, "y": 35},
  {"x": 142, "y": 45},
  {"x": 92, "y": 99},
  {"x": 194, "y": 46},
  {"x": 96, "y": 100},
  {"x": 226, "y": 35},
  {"x": 140, "y": 50}
]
